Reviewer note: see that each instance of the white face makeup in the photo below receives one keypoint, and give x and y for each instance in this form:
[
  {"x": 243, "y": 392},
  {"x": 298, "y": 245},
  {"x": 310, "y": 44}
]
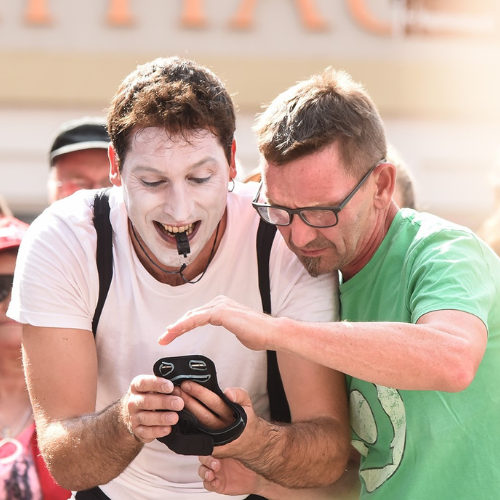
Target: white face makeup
[{"x": 175, "y": 184}]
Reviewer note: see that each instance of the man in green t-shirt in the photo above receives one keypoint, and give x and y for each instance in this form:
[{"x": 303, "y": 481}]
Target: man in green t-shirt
[{"x": 420, "y": 337}]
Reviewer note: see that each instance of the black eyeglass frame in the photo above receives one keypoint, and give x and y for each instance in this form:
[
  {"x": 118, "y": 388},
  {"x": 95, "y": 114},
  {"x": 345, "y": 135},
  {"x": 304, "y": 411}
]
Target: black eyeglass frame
[{"x": 299, "y": 211}]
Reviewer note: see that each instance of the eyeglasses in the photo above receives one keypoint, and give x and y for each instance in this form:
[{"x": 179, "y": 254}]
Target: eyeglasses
[
  {"x": 6, "y": 281},
  {"x": 312, "y": 216}
]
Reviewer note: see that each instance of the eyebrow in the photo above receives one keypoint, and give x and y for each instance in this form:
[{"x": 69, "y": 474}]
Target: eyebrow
[{"x": 320, "y": 205}]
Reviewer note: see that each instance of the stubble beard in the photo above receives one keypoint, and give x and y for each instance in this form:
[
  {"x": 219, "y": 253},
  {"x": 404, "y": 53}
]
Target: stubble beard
[{"x": 312, "y": 265}]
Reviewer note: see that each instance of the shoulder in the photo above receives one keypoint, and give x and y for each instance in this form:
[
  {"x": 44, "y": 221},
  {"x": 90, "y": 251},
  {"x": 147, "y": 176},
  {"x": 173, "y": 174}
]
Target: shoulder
[
  {"x": 67, "y": 223},
  {"x": 434, "y": 241},
  {"x": 421, "y": 230},
  {"x": 62, "y": 219},
  {"x": 242, "y": 218},
  {"x": 242, "y": 195}
]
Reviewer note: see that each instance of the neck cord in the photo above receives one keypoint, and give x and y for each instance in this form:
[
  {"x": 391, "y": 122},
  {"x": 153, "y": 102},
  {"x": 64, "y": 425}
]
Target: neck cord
[{"x": 181, "y": 269}]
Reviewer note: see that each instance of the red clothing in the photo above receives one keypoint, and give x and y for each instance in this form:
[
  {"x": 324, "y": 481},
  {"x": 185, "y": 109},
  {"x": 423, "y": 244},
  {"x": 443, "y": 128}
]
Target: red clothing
[{"x": 23, "y": 473}]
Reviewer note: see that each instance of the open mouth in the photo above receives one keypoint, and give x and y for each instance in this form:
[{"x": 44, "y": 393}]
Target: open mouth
[{"x": 168, "y": 232}]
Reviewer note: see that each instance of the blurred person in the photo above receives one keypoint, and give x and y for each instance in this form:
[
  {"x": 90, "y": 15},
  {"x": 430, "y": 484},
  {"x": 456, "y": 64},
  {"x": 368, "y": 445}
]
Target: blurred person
[
  {"x": 489, "y": 229},
  {"x": 254, "y": 176},
  {"x": 23, "y": 473},
  {"x": 404, "y": 190},
  {"x": 78, "y": 157},
  {"x": 4, "y": 207},
  {"x": 172, "y": 156},
  {"x": 419, "y": 339}
]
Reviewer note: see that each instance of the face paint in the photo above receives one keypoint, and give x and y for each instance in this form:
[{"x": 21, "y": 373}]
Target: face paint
[{"x": 175, "y": 192}]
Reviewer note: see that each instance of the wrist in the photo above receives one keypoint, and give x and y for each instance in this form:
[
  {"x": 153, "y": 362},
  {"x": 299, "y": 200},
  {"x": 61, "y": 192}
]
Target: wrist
[
  {"x": 264, "y": 440},
  {"x": 277, "y": 340},
  {"x": 124, "y": 421}
]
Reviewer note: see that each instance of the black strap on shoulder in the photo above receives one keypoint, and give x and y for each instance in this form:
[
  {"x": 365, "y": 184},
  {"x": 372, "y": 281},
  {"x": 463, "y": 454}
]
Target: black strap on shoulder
[
  {"x": 279, "y": 408},
  {"x": 280, "y": 411},
  {"x": 104, "y": 250}
]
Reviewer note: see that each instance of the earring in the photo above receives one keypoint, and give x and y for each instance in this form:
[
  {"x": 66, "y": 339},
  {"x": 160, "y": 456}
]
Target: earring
[{"x": 230, "y": 187}]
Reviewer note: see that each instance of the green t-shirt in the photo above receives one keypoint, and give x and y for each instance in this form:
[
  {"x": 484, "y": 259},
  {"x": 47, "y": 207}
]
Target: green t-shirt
[{"x": 428, "y": 444}]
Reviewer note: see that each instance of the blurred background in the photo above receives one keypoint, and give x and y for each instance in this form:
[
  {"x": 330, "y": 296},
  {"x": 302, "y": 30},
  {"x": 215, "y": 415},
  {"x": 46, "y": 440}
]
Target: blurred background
[{"x": 431, "y": 66}]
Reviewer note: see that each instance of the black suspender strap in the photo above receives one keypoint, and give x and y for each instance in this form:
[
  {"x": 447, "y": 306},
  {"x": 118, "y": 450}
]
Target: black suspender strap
[
  {"x": 265, "y": 235},
  {"x": 278, "y": 404},
  {"x": 104, "y": 250},
  {"x": 92, "y": 494},
  {"x": 104, "y": 258}
]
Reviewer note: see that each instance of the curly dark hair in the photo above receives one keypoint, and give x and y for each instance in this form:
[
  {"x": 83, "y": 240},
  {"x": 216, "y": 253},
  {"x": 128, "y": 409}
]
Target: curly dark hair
[{"x": 176, "y": 94}]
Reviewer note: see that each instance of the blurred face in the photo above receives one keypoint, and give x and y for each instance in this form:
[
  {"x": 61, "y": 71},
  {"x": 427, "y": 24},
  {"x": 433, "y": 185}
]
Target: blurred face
[
  {"x": 10, "y": 331},
  {"x": 174, "y": 185},
  {"x": 86, "y": 169},
  {"x": 319, "y": 179}
]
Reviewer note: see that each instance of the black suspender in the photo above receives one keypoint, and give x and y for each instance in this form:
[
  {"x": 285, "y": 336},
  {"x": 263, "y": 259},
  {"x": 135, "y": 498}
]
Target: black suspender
[
  {"x": 104, "y": 250},
  {"x": 278, "y": 404},
  {"x": 265, "y": 236}
]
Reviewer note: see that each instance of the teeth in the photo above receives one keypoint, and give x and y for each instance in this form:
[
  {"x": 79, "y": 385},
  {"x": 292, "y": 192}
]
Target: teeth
[{"x": 179, "y": 229}]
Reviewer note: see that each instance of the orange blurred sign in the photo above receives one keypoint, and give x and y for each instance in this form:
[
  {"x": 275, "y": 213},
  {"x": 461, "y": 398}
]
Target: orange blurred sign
[{"x": 433, "y": 17}]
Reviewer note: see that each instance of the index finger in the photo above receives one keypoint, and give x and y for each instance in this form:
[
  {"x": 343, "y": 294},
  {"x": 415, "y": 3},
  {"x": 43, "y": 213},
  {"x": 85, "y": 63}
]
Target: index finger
[
  {"x": 186, "y": 323},
  {"x": 151, "y": 383}
]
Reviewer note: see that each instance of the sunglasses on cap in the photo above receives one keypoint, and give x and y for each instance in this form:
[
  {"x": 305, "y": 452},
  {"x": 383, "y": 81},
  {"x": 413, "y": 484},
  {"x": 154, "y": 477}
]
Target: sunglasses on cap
[{"x": 6, "y": 281}]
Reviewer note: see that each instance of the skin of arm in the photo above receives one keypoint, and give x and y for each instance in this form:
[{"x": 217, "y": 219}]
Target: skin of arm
[
  {"x": 83, "y": 448},
  {"x": 316, "y": 443},
  {"x": 230, "y": 477},
  {"x": 442, "y": 351}
]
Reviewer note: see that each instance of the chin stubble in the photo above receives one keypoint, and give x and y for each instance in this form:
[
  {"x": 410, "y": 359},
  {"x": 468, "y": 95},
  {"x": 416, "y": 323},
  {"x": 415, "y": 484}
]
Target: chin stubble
[{"x": 312, "y": 265}]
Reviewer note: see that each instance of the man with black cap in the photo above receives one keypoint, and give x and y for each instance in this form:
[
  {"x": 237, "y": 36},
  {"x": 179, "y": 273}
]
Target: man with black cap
[{"x": 79, "y": 157}]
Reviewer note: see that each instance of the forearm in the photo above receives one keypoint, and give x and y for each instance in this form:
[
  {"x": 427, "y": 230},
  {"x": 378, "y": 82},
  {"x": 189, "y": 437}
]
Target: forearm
[
  {"x": 300, "y": 455},
  {"x": 344, "y": 488},
  {"x": 400, "y": 355},
  {"x": 89, "y": 450}
]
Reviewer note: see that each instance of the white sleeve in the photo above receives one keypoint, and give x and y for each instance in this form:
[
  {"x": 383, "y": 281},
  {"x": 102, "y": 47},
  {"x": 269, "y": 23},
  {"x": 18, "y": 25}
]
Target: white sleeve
[
  {"x": 55, "y": 282},
  {"x": 297, "y": 295}
]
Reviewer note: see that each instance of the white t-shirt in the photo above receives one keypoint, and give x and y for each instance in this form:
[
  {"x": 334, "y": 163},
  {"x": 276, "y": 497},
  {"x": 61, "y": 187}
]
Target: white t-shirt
[{"x": 56, "y": 285}]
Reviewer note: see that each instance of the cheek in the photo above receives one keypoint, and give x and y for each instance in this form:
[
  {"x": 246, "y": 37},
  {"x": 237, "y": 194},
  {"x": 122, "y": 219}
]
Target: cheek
[
  {"x": 285, "y": 232},
  {"x": 214, "y": 200}
]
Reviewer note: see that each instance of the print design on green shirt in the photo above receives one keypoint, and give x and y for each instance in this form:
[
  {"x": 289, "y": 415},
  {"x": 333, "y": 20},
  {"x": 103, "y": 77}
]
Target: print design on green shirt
[{"x": 382, "y": 423}]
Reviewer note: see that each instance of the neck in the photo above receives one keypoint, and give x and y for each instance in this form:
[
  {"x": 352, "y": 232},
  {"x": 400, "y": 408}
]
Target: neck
[
  {"x": 171, "y": 275},
  {"x": 377, "y": 236}
]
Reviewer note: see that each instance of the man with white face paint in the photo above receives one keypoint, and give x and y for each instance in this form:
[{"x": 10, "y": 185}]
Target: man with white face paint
[{"x": 183, "y": 232}]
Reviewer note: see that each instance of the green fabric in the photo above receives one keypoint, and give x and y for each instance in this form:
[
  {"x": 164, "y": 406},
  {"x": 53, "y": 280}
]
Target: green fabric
[{"x": 428, "y": 444}]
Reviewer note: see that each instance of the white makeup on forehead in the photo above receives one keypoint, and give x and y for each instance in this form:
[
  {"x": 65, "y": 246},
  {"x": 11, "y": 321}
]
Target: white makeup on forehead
[{"x": 175, "y": 180}]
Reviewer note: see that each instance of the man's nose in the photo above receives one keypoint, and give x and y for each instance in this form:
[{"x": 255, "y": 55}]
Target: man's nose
[
  {"x": 179, "y": 204},
  {"x": 300, "y": 233}
]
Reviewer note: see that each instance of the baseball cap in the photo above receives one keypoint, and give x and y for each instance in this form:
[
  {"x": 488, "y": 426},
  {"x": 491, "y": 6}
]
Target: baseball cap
[
  {"x": 75, "y": 135},
  {"x": 12, "y": 231}
]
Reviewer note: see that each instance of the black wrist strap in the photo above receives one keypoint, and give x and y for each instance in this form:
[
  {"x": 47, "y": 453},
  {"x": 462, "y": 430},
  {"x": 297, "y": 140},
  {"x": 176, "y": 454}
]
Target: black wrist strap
[{"x": 189, "y": 436}]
